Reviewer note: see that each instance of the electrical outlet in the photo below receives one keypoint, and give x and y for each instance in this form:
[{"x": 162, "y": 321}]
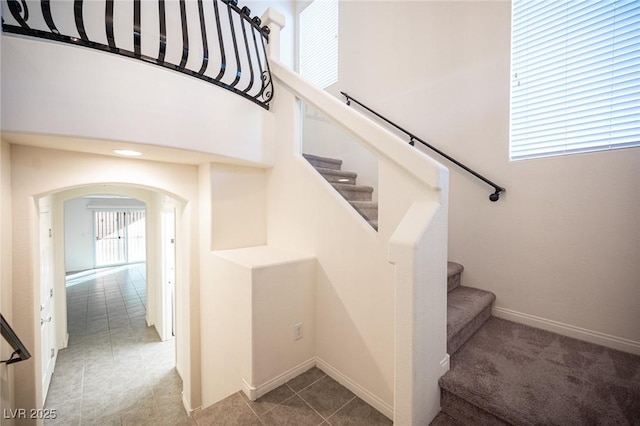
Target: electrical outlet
[{"x": 297, "y": 331}]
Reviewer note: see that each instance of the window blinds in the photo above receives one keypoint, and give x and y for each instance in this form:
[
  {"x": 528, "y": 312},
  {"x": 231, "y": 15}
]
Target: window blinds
[
  {"x": 575, "y": 76},
  {"x": 319, "y": 42}
]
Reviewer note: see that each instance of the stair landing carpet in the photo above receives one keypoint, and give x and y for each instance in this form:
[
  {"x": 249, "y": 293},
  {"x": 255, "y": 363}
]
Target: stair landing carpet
[{"x": 509, "y": 373}]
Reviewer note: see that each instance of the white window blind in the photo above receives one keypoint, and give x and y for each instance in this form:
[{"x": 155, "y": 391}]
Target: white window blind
[
  {"x": 319, "y": 42},
  {"x": 575, "y": 76}
]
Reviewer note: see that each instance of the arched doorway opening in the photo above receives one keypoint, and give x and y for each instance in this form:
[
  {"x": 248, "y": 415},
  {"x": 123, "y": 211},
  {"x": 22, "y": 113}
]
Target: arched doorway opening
[
  {"x": 126, "y": 360},
  {"x": 52, "y": 176}
]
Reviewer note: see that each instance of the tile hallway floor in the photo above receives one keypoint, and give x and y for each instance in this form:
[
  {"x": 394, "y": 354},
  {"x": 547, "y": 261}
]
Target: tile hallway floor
[
  {"x": 312, "y": 398},
  {"x": 116, "y": 371}
]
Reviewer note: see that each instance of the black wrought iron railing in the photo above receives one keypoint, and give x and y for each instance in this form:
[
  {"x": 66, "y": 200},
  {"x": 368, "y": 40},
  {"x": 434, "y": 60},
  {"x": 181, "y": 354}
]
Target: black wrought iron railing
[
  {"x": 213, "y": 40},
  {"x": 20, "y": 352},
  {"x": 495, "y": 196}
]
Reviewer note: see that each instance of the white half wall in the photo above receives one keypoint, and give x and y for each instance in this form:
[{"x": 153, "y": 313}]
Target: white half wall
[
  {"x": 256, "y": 297},
  {"x": 355, "y": 283}
]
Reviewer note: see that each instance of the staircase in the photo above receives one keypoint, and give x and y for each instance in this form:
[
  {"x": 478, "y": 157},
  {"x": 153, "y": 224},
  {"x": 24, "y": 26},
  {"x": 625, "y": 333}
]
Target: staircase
[
  {"x": 359, "y": 196},
  {"x": 504, "y": 373}
]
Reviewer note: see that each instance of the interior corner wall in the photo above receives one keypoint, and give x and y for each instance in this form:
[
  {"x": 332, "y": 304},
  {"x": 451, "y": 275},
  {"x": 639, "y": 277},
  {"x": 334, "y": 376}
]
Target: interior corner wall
[
  {"x": 238, "y": 207},
  {"x": 7, "y": 399},
  {"x": 562, "y": 245}
]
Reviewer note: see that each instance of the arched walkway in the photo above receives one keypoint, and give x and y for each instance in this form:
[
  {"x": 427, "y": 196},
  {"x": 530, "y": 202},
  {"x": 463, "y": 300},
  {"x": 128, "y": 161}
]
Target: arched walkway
[{"x": 38, "y": 174}]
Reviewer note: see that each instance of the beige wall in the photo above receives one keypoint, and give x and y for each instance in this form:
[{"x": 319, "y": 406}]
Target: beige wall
[{"x": 561, "y": 247}]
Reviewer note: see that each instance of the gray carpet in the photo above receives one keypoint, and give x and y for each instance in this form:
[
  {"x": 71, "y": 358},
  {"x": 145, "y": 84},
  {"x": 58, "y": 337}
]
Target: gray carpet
[
  {"x": 467, "y": 309},
  {"x": 520, "y": 375}
]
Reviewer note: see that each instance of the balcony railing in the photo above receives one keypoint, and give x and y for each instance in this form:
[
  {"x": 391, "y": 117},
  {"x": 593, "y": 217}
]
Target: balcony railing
[{"x": 215, "y": 40}]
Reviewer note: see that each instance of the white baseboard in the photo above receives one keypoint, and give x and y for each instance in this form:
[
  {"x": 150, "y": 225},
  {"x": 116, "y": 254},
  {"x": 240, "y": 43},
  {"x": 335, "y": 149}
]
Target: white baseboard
[
  {"x": 445, "y": 364},
  {"x": 354, "y": 387},
  {"x": 591, "y": 336},
  {"x": 187, "y": 407},
  {"x": 254, "y": 393}
]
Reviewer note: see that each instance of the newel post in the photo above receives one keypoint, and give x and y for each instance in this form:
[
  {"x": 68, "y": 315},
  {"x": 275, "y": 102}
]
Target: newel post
[{"x": 276, "y": 22}]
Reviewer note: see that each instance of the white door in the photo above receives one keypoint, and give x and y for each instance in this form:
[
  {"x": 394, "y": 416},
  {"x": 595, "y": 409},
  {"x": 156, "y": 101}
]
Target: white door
[
  {"x": 167, "y": 329},
  {"x": 47, "y": 323}
]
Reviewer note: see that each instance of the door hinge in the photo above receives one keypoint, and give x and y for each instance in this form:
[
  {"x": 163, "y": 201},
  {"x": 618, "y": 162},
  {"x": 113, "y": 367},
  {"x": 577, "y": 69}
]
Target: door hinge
[
  {"x": 50, "y": 233},
  {"x": 50, "y": 292},
  {"x": 53, "y": 352}
]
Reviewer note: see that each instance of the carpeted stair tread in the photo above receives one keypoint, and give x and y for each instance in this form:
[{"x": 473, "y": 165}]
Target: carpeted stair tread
[
  {"x": 514, "y": 374},
  {"x": 323, "y": 162},
  {"x": 359, "y": 196},
  {"x": 454, "y": 273},
  {"x": 338, "y": 176},
  {"x": 442, "y": 419},
  {"x": 467, "y": 309},
  {"x": 354, "y": 192},
  {"x": 368, "y": 209}
]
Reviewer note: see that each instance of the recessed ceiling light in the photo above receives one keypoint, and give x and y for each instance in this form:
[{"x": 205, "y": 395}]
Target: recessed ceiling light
[{"x": 127, "y": 152}]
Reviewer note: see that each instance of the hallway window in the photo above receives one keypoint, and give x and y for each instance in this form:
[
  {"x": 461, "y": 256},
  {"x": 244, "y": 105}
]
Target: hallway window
[
  {"x": 120, "y": 237},
  {"x": 575, "y": 77},
  {"x": 319, "y": 42}
]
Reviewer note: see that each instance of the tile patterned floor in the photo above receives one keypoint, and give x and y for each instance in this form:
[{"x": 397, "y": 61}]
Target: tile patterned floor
[
  {"x": 116, "y": 371},
  {"x": 312, "y": 398}
]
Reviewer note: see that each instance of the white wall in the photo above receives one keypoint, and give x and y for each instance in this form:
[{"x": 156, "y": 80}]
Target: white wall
[
  {"x": 562, "y": 245},
  {"x": 238, "y": 214},
  {"x": 47, "y": 87},
  {"x": 78, "y": 229}
]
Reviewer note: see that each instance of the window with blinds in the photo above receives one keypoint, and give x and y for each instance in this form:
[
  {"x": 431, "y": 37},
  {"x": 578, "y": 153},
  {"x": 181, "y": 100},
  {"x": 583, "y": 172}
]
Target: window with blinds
[
  {"x": 319, "y": 42},
  {"x": 575, "y": 76}
]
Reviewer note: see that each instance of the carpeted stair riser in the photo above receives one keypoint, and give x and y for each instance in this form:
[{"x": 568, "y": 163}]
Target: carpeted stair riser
[
  {"x": 454, "y": 274},
  {"x": 323, "y": 162},
  {"x": 338, "y": 176},
  {"x": 465, "y": 413},
  {"x": 467, "y": 309},
  {"x": 456, "y": 341},
  {"x": 368, "y": 209},
  {"x": 360, "y": 197},
  {"x": 354, "y": 192}
]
